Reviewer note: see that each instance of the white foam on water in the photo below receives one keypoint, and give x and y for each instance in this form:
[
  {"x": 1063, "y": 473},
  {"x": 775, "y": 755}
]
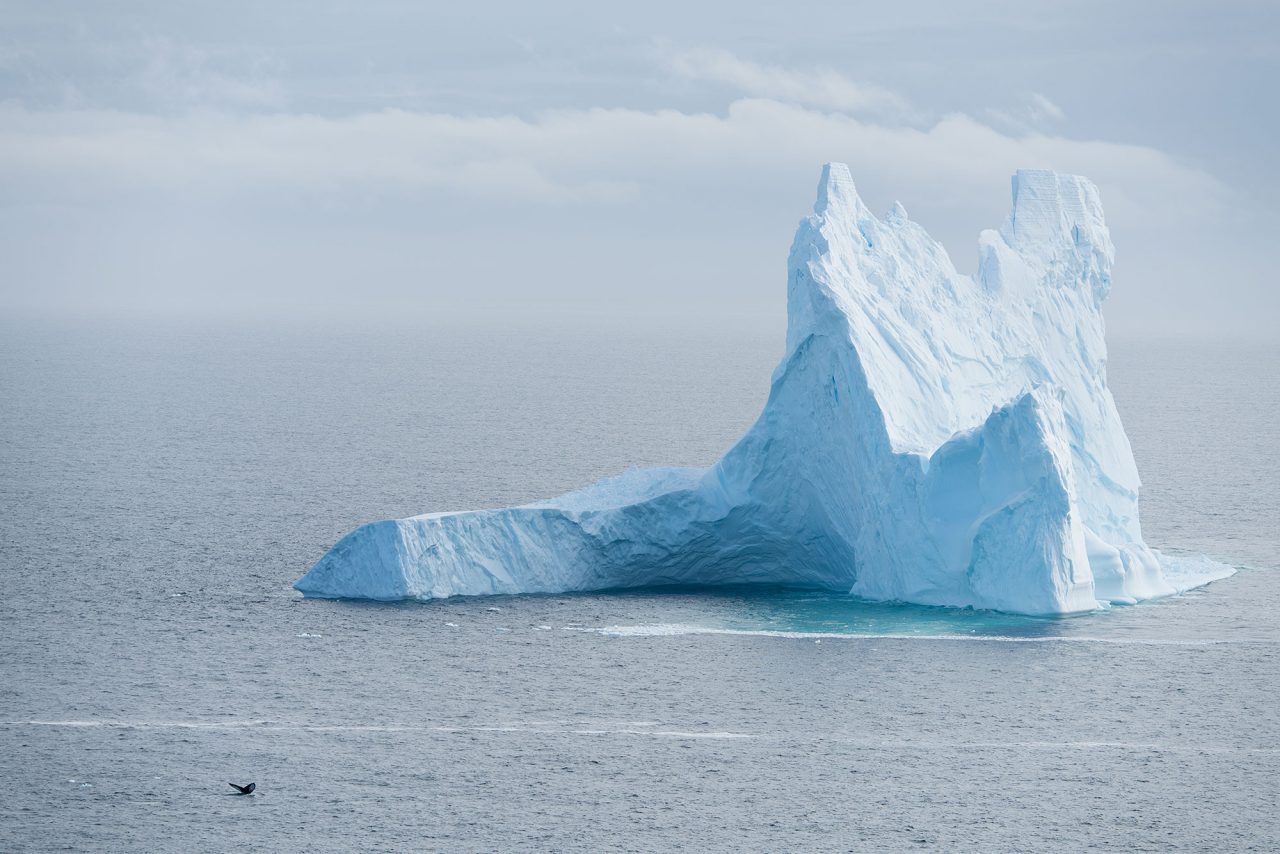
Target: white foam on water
[
  {"x": 630, "y": 728},
  {"x": 678, "y": 629},
  {"x": 539, "y": 728},
  {"x": 662, "y": 733}
]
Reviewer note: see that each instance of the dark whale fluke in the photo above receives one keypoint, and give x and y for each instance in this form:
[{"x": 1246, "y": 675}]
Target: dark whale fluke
[{"x": 244, "y": 790}]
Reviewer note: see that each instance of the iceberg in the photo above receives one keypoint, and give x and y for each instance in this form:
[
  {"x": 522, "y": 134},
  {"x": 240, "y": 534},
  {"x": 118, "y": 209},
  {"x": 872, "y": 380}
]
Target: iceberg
[{"x": 929, "y": 437}]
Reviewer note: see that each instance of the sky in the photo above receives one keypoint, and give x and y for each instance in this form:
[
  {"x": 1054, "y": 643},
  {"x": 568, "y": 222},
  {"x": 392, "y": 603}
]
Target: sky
[{"x": 395, "y": 159}]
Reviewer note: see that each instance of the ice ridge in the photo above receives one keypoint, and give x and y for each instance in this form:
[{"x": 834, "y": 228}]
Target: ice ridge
[{"x": 929, "y": 437}]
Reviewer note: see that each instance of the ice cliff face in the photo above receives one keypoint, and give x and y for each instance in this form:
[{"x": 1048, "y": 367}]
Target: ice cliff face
[{"x": 929, "y": 437}]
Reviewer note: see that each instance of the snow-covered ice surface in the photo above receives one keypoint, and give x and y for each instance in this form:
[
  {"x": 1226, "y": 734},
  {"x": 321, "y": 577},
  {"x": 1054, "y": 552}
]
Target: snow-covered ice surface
[{"x": 929, "y": 437}]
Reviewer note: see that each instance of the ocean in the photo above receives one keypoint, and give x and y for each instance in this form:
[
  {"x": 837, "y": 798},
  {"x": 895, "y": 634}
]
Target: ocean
[{"x": 163, "y": 483}]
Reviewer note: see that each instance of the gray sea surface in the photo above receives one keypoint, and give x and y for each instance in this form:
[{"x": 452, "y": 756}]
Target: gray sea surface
[{"x": 163, "y": 483}]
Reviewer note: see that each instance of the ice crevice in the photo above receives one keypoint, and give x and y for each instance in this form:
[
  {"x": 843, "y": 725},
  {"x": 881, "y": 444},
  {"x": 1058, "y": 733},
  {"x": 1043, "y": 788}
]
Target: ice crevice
[{"x": 929, "y": 437}]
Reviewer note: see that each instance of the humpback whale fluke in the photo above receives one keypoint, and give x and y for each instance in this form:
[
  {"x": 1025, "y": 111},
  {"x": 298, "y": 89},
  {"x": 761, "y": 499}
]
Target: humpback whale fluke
[{"x": 244, "y": 790}]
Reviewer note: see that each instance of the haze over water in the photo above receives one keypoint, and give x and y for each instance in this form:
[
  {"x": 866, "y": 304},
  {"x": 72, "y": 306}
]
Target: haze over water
[{"x": 163, "y": 485}]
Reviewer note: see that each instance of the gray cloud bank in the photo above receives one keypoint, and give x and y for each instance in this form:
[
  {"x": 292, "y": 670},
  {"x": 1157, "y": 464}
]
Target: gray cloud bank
[{"x": 212, "y": 176}]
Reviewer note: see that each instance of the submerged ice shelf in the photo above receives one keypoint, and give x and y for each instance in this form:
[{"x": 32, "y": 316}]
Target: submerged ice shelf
[{"x": 929, "y": 437}]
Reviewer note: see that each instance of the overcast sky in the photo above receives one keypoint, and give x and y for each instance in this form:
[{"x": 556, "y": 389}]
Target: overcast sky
[{"x": 461, "y": 158}]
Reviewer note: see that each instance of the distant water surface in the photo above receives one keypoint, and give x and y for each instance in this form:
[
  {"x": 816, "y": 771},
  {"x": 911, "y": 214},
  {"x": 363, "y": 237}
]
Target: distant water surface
[{"x": 162, "y": 485}]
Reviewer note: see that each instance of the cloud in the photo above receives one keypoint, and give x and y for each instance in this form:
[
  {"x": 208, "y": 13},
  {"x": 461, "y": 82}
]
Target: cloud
[
  {"x": 1035, "y": 115},
  {"x": 822, "y": 88},
  {"x": 588, "y": 156},
  {"x": 1043, "y": 107},
  {"x": 180, "y": 76},
  {"x": 582, "y": 207},
  {"x": 593, "y": 156}
]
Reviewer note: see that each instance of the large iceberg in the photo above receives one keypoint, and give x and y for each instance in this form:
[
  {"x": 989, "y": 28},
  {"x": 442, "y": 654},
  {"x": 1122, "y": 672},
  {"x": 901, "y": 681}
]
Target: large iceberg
[{"x": 929, "y": 437}]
